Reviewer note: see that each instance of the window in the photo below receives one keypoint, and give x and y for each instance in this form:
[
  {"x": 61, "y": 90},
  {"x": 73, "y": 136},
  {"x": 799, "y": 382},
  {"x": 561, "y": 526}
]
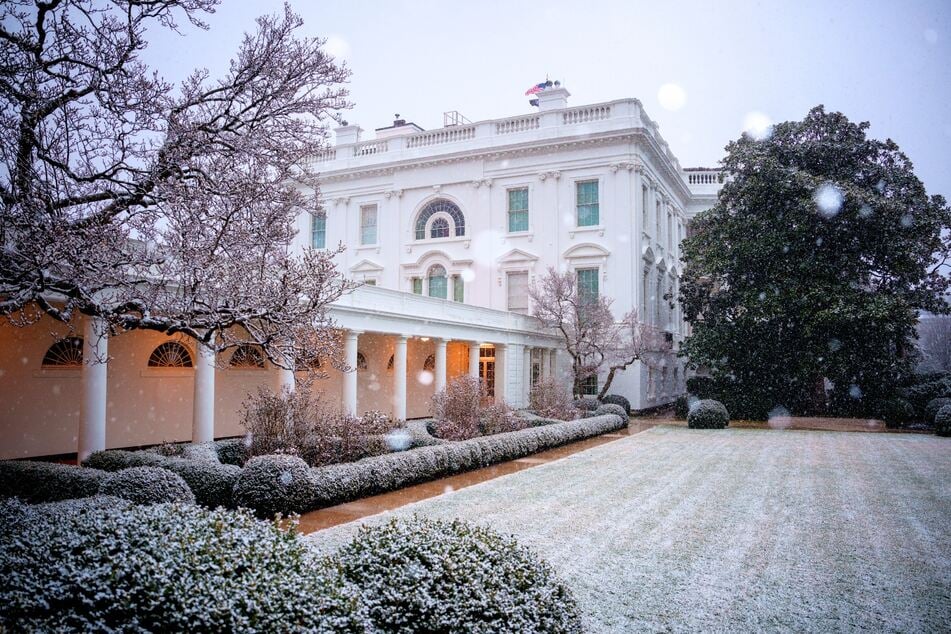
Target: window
[
  {"x": 518, "y": 209},
  {"x": 390, "y": 363},
  {"x": 659, "y": 299},
  {"x": 439, "y": 228},
  {"x": 418, "y": 285},
  {"x": 587, "y": 202},
  {"x": 517, "y": 282},
  {"x": 657, "y": 222},
  {"x": 430, "y": 363},
  {"x": 368, "y": 224},
  {"x": 65, "y": 353},
  {"x": 318, "y": 230},
  {"x": 644, "y": 209},
  {"x": 670, "y": 231},
  {"x": 663, "y": 380},
  {"x": 589, "y": 385},
  {"x": 370, "y": 282},
  {"x": 645, "y": 292},
  {"x": 587, "y": 283},
  {"x": 437, "y": 281},
  {"x": 170, "y": 354},
  {"x": 246, "y": 356},
  {"x": 651, "y": 388},
  {"x": 361, "y": 361},
  {"x": 444, "y": 207},
  {"x": 458, "y": 289}
]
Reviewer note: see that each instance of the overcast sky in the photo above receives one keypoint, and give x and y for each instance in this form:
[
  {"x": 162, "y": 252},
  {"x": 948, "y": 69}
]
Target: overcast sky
[{"x": 701, "y": 69}]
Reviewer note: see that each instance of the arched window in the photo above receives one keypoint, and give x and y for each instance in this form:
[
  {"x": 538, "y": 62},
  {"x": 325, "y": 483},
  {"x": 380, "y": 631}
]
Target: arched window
[
  {"x": 247, "y": 356},
  {"x": 361, "y": 361},
  {"x": 439, "y": 228},
  {"x": 437, "y": 281},
  {"x": 65, "y": 353},
  {"x": 430, "y": 363},
  {"x": 440, "y": 206},
  {"x": 170, "y": 354}
]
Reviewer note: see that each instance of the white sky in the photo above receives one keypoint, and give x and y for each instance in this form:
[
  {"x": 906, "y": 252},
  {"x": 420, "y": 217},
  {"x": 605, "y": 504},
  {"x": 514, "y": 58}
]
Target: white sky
[{"x": 884, "y": 62}]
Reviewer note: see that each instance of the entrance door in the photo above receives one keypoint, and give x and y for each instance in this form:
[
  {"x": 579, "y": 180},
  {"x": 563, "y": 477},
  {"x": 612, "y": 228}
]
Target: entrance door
[{"x": 487, "y": 375}]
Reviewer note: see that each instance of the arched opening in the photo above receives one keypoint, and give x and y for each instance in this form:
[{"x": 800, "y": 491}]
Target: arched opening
[{"x": 170, "y": 354}]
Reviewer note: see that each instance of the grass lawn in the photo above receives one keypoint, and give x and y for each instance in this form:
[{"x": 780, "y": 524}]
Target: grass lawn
[{"x": 676, "y": 529}]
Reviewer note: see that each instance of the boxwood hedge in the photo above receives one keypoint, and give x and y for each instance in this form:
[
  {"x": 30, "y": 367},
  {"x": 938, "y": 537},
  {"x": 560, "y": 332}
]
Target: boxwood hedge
[{"x": 36, "y": 481}]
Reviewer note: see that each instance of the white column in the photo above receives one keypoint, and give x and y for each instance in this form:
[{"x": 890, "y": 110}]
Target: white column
[
  {"x": 399, "y": 378},
  {"x": 288, "y": 382},
  {"x": 527, "y": 377},
  {"x": 474, "y": 359},
  {"x": 92, "y": 413},
  {"x": 440, "y": 378},
  {"x": 203, "y": 410},
  {"x": 501, "y": 373},
  {"x": 553, "y": 364},
  {"x": 350, "y": 346}
]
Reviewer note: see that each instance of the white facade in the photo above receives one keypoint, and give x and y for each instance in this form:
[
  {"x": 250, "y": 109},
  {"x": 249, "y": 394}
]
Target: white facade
[
  {"x": 593, "y": 189},
  {"x": 604, "y": 195}
]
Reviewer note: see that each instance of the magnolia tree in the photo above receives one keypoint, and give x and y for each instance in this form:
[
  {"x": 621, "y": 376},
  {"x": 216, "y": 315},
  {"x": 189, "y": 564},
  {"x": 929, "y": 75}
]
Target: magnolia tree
[
  {"x": 157, "y": 206},
  {"x": 594, "y": 340}
]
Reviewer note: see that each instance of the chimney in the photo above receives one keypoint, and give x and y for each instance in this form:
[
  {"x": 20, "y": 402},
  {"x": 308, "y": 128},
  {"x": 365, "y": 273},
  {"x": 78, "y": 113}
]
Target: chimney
[
  {"x": 347, "y": 134},
  {"x": 555, "y": 98}
]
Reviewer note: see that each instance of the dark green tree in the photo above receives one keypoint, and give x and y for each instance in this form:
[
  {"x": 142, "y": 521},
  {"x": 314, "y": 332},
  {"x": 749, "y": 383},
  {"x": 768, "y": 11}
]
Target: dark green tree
[{"x": 812, "y": 266}]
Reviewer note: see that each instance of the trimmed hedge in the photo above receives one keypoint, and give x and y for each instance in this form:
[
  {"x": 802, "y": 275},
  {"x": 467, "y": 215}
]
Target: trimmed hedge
[
  {"x": 617, "y": 399},
  {"x": 274, "y": 484},
  {"x": 232, "y": 451},
  {"x": 611, "y": 408},
  {"x": 211, "y": 482},
  {"x": 587, "y": 403},
  {"x": 103, "y": 565},
  {"x": 942, "y": 421},
  {"x": 118, "y": 459},
  {"x": 147, "y": 485},
  {"x": 708, "y": 414},
  {"x": 423, "y": 575},
  {"x": 35, "y": 481},
  {"x": 203, "y": 451}
]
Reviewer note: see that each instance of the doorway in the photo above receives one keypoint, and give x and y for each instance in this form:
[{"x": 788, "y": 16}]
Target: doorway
[{"x": 487, "y": 369}]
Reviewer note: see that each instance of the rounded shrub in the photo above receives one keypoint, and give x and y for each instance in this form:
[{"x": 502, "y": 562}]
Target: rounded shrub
[
  {"x": 587, "y": 403},
  {"x": 617, "y": 399},
  {"x": 942, "y": 421},
  {"x": 935, "y": 404},
  {"x": 211, "y": 482},
  {"x": 36, "y": 481},
  {"x": 611, "y": 408},
  {"x": 118, "y": 459},
  {"x": 897, "y": 412},
  {"x": 708, "y": 414},
  {"x": 274, "y": 484},
  {"x": 147, "y": 485},
  {"x": 203, "y": 451},
  {"x": 107, "y": 566},
  {"x": 423, "y": 575},
  {"x": 232, "y": 451}
]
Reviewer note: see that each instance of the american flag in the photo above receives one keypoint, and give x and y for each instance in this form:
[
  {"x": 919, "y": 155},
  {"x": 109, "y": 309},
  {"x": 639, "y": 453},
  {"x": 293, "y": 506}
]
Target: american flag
[{"x": 537, "y": 88}]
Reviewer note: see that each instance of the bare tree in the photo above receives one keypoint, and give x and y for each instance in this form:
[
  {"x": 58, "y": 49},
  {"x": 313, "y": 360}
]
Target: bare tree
[
  {"x": 594, "y": 340},
  {"x": 155, "y": 206}
]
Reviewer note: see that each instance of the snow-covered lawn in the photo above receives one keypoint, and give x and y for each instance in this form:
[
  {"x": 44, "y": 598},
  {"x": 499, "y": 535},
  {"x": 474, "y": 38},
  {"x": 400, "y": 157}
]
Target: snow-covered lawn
[{"x": 678, "y": 529}]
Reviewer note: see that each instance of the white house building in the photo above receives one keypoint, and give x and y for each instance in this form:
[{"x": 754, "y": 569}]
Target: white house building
[{"x": 447, "y": 228}]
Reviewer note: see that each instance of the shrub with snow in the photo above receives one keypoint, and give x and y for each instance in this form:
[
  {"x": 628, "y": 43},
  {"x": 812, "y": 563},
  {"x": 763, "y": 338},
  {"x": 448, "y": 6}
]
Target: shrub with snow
[
  {"x": 617, "y": 399},
  {"x": 106, "y": 566},
  {"x": 117, "y": 459},
  {"x": 942, "y": 421},
  {"x": 36, "y": 481},
  {"x": 203, "y": 451},
  {"x": 211, "y": 482},
  {"x": 274, "y": 484},
  {"x": 147, "y": 485},
  {"x": 708, "y": 414},
  {"x": 423, "y": 575},
  {"x": 456, "y": 408},
  {"x": 232, "y": 451},
  {"x": 551, "y": 399},
  {"x": 935, "y": 404},
  {"x": 375, "y": 422},
  {"x": 499, "y": 418},
  {"x": 587, "y": 403},
  {"x": 897, "y": 412},
  {"x": 611, "y": 408}
]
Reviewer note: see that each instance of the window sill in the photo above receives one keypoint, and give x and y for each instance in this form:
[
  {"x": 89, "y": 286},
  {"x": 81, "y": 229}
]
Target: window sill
[
  {"x": 368, "y": 247},
  {"x": 53, "y": 372},
  {"x": 167, "y": 373},
  {"x": 599, "y": 229},
  {"x": 521, "y": 234}
]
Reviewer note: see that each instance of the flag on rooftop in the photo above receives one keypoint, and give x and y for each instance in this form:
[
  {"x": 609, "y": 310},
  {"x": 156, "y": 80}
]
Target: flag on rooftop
[{"x": 538, "y": 87}]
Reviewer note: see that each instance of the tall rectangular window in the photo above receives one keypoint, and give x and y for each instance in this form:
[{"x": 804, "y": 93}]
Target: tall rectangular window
[
  {"x": 418, "y": 285},
  {"x": 587, "y": 203},
  {"x": 670, "y": 232},
  {"x": 657, "y": 234},
  {"x": 318, "y": 231},
  {"x": 517, "y": 291},
  {"x": 458, "y": 289},
  {"x": 589, "y": 385},
  {"x": 587, "y": 283},
  {"x": 368, "y": 224},
  {"x": 518, "y": 209},
  {"x": 644, "y": 209}
]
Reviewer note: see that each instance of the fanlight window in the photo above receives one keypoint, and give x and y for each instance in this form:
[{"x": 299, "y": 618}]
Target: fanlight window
[
  {"x": 247, "y": 356},
  {"x": 170, "y": 354},
  {"x": 440, "y": 226},
  {"x": 361, "y": 361},
  {"x": 430, "y": 363},
  {"x": 65, "y": 353}
]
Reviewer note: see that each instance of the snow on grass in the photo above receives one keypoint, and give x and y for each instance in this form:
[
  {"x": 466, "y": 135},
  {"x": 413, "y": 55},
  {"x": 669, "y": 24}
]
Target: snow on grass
[{"x": 713, "y": 530}]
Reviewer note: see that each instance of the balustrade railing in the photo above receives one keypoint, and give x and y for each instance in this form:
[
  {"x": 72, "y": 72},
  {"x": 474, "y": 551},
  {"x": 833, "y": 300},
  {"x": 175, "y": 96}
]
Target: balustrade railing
[
  {"x": 519, "y": 124},
  {"x": 438, "y": 137},
  {"x": 586, "y": 114}
]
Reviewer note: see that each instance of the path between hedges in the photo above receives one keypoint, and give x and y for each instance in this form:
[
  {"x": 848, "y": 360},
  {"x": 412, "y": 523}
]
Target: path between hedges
[
  {"x": 731, "y": 530},
  {"x": 364, "y": 507}
]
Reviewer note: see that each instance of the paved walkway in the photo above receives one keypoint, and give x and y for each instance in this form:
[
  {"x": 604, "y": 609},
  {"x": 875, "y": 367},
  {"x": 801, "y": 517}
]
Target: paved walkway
[{"x": 732, "y": 530}]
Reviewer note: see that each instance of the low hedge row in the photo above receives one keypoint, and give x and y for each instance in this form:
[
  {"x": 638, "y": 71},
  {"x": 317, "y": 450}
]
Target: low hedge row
[
  {"x": 33, "y": 481},
  {"x": 335, "y": 484}
]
